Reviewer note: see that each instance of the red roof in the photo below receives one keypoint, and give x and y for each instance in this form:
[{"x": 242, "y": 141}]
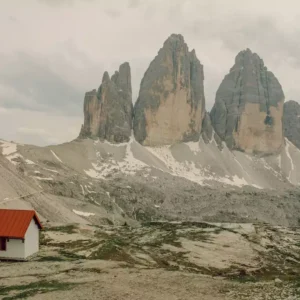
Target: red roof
[{"x": 14, "y": 223}]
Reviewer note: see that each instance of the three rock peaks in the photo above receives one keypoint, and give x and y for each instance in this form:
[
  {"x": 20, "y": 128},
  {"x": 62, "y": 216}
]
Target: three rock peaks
[{"x": 247, "y": 114}]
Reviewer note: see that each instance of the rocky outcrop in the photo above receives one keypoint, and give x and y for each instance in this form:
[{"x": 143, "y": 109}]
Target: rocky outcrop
[
  {"x": 108, "y": 111},
  {"x": 207, "y": 129},
  {"x": 208, "y": 134},
  {"x": 170, "y": 106},
  {"x": 248, "y": 109},
  {"x": 291, "y": 122}
]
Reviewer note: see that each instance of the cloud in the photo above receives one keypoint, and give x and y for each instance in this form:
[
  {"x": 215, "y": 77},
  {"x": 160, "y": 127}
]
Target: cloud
[
  {"x": 134, "y": 3},
  {"x": 113, "y": 13},
  {"x": 3, "y": 111},
  {"x": 38, "y": 136},
  {"x": 29, "y": 83},
  {"x": 26, "y": 130},
  {"x": 13, "y": 19},
  {"x": 38, "y": 128},
  {"x": 55, "y": 3}
]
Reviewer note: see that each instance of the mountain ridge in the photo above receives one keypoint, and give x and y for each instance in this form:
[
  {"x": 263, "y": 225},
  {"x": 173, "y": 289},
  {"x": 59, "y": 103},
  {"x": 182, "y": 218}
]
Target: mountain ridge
[{"x": 130, "y": 182}]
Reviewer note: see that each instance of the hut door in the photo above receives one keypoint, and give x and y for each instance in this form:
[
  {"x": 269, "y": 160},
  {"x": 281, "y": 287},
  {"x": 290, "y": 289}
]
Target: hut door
[{"x": 2, "y": 244}]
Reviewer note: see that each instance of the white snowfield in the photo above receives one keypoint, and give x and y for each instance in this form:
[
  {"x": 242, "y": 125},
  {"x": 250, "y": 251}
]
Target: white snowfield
[
  {"x": 9, "y": 150},
  {"x": 199, "y": 162}
]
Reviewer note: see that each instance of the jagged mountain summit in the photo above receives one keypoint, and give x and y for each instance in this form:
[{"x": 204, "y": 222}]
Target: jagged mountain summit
[
  {"x": 171, "y": 103},
  {"x": 248, "y": 109},
  {"x": 108, "y": 111}
]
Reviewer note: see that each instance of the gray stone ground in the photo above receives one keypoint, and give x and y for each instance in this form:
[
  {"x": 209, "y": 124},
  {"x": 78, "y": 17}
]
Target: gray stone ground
[{"x": 159, "y": 261}]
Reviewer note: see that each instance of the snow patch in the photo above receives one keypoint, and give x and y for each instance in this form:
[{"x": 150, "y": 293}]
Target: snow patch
[
  {"x": 240, "y": 165},
  {"x": 82, "y": 189},
  {"x": 269, "y": 168},
  {"x": 56, "y": 156},
  {"x": 90, "y": 192},
  {"x": 191, "y": 171},
  {"x": 29, "y": 162},
  {"x": 129, "y": 165},
  {"x": 92, "y": 173},
  {"x": 82, "y": 213},
  {"x": 13, "y": 156},
  {"x": 115, "y": 145},
  {"x": 287, "y": 148},
  {"x": 8, "y": 148},
  {"x": 194, "y": 147},
  {"x": 42, "y": 178},
  {"x": 279, "y": 159},
  {"x": 54, "y": 171}
]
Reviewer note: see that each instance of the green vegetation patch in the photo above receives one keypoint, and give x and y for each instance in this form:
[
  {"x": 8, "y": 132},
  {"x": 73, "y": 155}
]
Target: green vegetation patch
[
  {"x": 44, "y": 241},
  {"x": 51, "y": 258},
  {"x": 65, "y": 229},
  {"x": 70, "y": 255},
  {"x": 112, "y": 249},
  {"x": 24, "y": 291}
]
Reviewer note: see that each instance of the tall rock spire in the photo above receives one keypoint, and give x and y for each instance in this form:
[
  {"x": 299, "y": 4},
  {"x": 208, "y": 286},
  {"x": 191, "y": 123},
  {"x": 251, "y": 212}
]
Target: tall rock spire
[
  {"x": 170, "y": 106},
  {"x": 108, "y": 111},
  {"x": 248, "y": 110}
]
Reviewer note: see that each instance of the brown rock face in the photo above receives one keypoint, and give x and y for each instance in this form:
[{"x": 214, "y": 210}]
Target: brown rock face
[
  {"x": 253, "y": 135},
  {"x": 248, "y": 111},
  {"x": 108, "y": 111},
  {"x": 170, "y": 106}
]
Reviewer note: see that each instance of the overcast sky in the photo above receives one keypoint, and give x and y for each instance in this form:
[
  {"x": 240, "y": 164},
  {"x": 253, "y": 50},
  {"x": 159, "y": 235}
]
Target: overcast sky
[{"x": 52, "y": 51}]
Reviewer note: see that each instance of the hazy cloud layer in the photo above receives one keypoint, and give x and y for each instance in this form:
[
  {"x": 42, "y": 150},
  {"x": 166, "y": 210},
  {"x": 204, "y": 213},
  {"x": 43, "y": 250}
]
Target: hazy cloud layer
[
  {"x": 52, "y": 51},
  {"x": 26, "y": 82}
]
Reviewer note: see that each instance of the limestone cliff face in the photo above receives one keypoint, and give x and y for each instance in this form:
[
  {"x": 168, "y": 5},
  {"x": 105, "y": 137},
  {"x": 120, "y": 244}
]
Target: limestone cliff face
[
  {"x": 170, "y": 106},
  {"x": 248, "y": 109},
  {"x": 291, "y": 122},
  {"x": 108, "y": 111}
]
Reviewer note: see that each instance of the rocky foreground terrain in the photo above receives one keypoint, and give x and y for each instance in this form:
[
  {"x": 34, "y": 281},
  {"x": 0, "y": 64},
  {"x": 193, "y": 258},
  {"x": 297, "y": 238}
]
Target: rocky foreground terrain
[{"x": 159, "y": 260}]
